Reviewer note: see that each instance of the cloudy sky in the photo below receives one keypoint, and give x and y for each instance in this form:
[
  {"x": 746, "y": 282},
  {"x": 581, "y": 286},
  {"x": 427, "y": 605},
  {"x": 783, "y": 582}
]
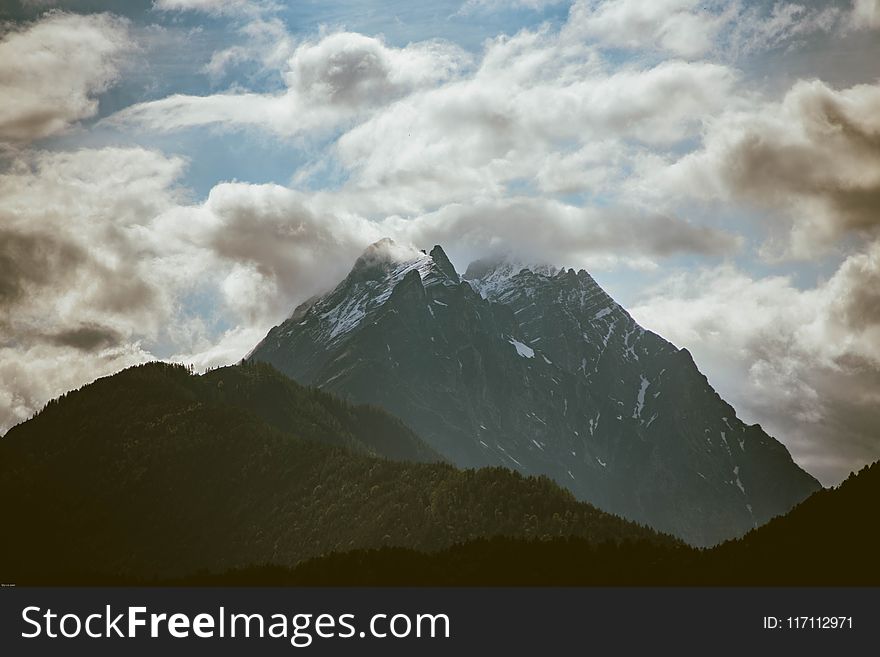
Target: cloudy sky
[{"x": 175, "y": 175}]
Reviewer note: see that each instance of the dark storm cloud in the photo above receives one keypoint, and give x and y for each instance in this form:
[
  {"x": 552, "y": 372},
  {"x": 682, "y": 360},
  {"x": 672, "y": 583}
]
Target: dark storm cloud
[
  {"x": 768, "y": 165},
  {"x": 37, "y": 263},
  {"x": 279, "y": 248},
  {"x": 86, "y": 337},
  {"x": 813, "y": 158},
  {"x": 83, "y": 282},
  {"x": 29, "y": 261}
]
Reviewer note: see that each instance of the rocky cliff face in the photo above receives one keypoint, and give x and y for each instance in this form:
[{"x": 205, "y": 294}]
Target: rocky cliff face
[{"x": 539, "y": 370}]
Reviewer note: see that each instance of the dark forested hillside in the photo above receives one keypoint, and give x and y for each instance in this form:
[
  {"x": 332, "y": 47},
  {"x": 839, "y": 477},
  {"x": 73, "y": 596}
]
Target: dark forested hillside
[
  {"x": 311, "y": 414},
  {"x": 831, "y": 539},
  {"x": 158, "y": 472}
]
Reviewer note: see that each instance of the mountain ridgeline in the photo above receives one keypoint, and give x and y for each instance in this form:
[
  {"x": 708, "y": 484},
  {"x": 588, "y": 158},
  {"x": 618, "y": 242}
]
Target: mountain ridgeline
[
  {"x": 540, "y": 371},
  {"x": 158, "y": 473}
]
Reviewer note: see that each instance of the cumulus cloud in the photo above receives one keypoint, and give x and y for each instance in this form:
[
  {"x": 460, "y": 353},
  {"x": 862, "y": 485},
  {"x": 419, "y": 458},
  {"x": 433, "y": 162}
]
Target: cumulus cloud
[
  {"x": 805, "y": 363},
  {"x": 52, "y": 71},
  {"x": 814, "y": 158},
  {"x": 347, "y": 68},
  {"x": 428, "y": 128},
  {"x": 330, "y": 81},
  {"x": 507, "y": 122},
  {"x": 270, "y": 247}
]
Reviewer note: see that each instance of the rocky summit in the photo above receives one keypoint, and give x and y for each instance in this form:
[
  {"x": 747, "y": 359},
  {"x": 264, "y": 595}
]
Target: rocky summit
[{"x": 540, "y": 370}]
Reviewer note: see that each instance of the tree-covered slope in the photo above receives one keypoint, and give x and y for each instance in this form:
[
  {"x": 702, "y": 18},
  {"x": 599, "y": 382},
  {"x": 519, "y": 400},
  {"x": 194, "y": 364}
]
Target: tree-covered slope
[
  {"x": 831, "y": 539},
  {"x": 158, "y": 472}
]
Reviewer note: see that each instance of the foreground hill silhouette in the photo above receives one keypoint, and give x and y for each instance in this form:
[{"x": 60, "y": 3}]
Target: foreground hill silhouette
[
  {"x": 831, "y": 539},
  {"x": 158, "y": 473}
]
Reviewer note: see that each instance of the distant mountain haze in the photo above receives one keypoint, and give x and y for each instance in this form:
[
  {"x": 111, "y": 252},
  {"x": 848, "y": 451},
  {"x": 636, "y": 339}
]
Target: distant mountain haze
[{"x": 539, "y": 370}]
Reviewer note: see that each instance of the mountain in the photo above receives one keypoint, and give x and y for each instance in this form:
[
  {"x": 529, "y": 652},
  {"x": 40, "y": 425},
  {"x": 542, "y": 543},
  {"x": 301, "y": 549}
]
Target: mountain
[
  {"x": 830, "y": 539},
  {"x": 539, "y": 370},
  {"x": 156, "y": 472}
]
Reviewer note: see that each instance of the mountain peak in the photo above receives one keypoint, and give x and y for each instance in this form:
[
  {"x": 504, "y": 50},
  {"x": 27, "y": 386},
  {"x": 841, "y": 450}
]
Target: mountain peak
[
  {"x": 438, "y": 255},
  {"x": 495, "y": 267},
  {"x": 543, "y": 372},
  {"x": 387, "y": 258},
  {"x": 491, "y": 275},
  {"x": 382, "y": 255}
]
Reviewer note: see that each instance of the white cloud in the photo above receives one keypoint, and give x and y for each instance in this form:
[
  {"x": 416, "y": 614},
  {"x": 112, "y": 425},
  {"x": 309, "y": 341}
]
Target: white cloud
[
  {"x": 52, "y": 71},
  {"x": 271, "y": 247},
  {"x": 230, "y": 347},
  {"x": 330, "y": 82},
  {"x": 430, "y": 129},
  {"x": 507, "y": 123},
  {"x": 347, "y": 68}
]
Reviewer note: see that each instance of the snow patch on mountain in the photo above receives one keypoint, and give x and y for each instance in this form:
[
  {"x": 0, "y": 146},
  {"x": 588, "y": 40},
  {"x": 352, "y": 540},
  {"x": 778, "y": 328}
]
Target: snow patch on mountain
[
  {"x": 369, "y": 285},
  {"x": 492, "y": 279},
  {"x": 640, "y": 397},
  {"x": 739, "y": 483},
  {"x": 523, "y": 350}
]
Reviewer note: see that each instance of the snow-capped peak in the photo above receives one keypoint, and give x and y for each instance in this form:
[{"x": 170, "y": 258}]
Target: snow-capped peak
[
  {"x": 382, "y": 256},
  {"x": 370, "y": 283},
  {"x": 491, "y": 277}
]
